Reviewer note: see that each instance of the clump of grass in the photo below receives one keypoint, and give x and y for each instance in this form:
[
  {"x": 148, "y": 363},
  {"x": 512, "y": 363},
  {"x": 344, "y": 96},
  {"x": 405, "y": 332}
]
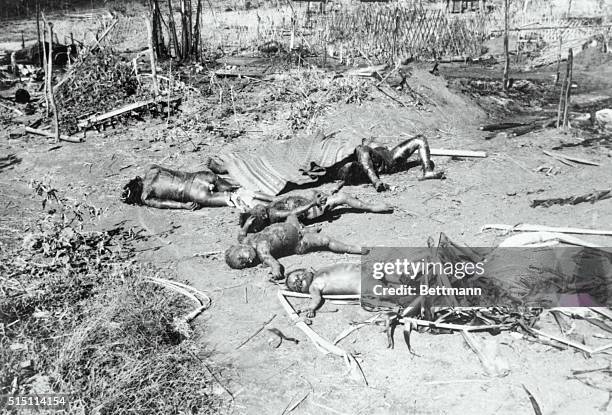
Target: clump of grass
[
  {"x": 77, "y": 313},
  {"x": 320, "y": 91}
]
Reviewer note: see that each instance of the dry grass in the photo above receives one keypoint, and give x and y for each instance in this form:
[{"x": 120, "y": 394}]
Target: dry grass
[{"x": 77, "y": 310}]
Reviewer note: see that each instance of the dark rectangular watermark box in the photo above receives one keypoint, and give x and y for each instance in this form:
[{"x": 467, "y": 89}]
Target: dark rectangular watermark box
[{"x": 450, "y": 275}]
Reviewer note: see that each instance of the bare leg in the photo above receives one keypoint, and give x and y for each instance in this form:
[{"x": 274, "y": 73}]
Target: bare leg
[
  {"x": 214, "y": 199},
  {"x": 405, "y": 149},
  {"x": 317, "y": 242},
  {"x": 170, "y": 204},
  {"x": 365, "y": 161},
  {"x": 342, "y": 198}
]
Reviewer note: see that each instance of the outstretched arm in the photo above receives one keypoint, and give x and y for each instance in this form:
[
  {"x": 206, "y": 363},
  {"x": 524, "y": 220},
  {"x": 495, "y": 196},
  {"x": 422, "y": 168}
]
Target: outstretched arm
[
  {"x": 263, "y": 252},
  {"x": 245, "y": 228},
  {"x": 170, "y": 204},
  {"x": 365, "y": 160},
  {"x": 316, "y": 299}
]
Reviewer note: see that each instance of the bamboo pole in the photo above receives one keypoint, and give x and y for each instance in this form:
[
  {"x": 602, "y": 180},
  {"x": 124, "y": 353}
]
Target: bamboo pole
[
  {"x": 40, "y": 52},
  {"x": 506, "y": 49},
  {"x": 568, "y": 88}
]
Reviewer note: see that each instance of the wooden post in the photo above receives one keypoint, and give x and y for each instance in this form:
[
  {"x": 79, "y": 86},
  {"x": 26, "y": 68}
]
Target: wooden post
[
  {"x": 506, "y": 51},
  {"x": 568, "y": 88},
  {"x": 49, "y": 82},
  {"x": 40, "y": 49},
  {"x": 196, "y": 31},
  {"x": 152, "y": 57},
  {"x": 558, "y": 75},
  {"x": 22, "y": 40}
]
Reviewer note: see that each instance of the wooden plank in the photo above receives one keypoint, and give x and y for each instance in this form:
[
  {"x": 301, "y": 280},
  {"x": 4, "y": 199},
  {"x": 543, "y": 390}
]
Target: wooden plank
[
  {"x": 99, "y": 118},
  {"x": 52, "y": 135},
  {"x": 457, "y": 153}
]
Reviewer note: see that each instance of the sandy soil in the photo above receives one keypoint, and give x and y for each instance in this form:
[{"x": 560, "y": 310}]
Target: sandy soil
[{"x": 446, "y": 376}]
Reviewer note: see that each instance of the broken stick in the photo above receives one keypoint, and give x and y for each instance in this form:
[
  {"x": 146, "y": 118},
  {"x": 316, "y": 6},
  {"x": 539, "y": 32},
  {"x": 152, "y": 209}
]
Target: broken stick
[
  {"x": 540, "y": 228},
  {"x": 320, "y": 343}
]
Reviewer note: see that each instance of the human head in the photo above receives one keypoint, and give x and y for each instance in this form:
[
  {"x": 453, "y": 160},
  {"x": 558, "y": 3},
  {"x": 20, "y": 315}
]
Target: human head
[
  {"x": 241, "y": 256},
  {"x": 132, "y": 192},
  {"x": 299, "y": 280},
  {"x": 260, "y": 216}
]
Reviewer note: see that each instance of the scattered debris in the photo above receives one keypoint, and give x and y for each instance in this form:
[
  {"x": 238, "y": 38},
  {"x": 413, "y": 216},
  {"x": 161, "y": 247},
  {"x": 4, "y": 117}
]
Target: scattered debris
[
  {"x": 573, "y": 200},
  {"x": 534, "y": 403},
  {"x": 256, "y": 332},
  {"x": 563, "y": 158},
  {"x": 320, "y": 343},
  {"x": 8, "y": 161},
  {"x": 540, "y": 228}
]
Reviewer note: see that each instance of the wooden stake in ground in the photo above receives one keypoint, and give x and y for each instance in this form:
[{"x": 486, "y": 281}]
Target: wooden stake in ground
[
  {"x": 506, "y": 48},
  {"x": 150, "y": 34},
  {"x": 568, "y": 87},
  {"x": 558, "y": 75},
  {"x": 40, "y": 52},
  {"x": 49, "y": 81}
]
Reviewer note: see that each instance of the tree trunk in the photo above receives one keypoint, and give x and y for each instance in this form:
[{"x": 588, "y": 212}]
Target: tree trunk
[{"x": 172, "y": 25}]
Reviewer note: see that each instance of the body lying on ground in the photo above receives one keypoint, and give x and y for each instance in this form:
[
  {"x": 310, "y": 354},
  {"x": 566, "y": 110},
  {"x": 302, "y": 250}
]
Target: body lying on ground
[
  {"x": 172, "y": 189},
  {"x": 279, "y": 240},
  {"x": 572, "y": 274},
  {"x": 306, "y": 207},
  {"x": 363, "y": 164},
  {"x": 338, "y": 279}
]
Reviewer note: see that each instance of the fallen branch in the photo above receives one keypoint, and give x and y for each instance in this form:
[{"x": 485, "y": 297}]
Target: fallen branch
[
  {"x": 51, "y": 135},
  {"x": 256, "y": 332},
  {"x": 501, "y": 126},
  {"x": 321, "y": 343},
  {"x": 540, "y": 228},
  {"x": 534, "y": 403},
  {"x": 573, "y": 200},
  {"x": 346, "y": 332},
  {"x": 570, "y": 158},
  {"x": 535, "y": 239},
  {"x": 450, "y": 326},
  {"x": 457, "y": 153}
]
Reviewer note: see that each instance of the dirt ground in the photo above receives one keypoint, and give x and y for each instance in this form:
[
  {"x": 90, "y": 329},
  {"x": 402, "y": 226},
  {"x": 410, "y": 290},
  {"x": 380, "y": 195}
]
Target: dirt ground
[{"x": 445, "y": 377}]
